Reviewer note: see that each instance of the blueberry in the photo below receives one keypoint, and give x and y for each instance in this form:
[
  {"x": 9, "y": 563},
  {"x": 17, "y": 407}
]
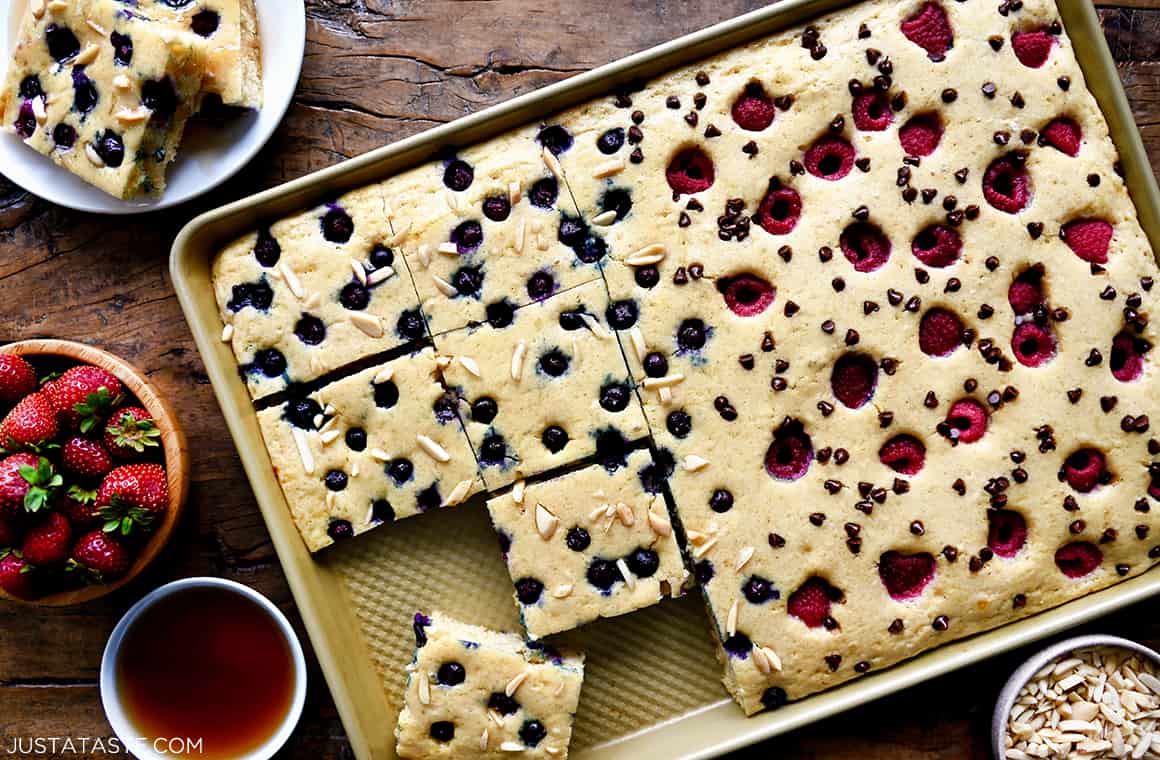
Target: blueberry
[
  {"x": 420, "y": 626},
  {"x": 255, "y": 295},
  {"x": 25, "y": 121},
  {"x": 703, "y": 571},
  {"x": 483, "y": 410},
  {"x": 400, "y": 470},
  {"x": 502, "y": 703},
  {"x": 654, "y": 475},
  {"x": 204, "y": 23},
  {"x": 532, "y": 732},
  {"x": 738, "y": 644},
  {"x": 577, "y": 539},
  {"x": 571, "y": 320},
  {"x": 614, "y": 397},
  {"x": 266, "y": 248},
  {"x": 593, "y": 249},
  {"x": 647, "y": 277},
  {"x": 544, "y": 192},
  {"x": 354, "y": 296},
  {"x": 554, "y": 438},
  {"x": 410, "y": 325},
  {"x": 619, "y": 200},
  {"x": 691, "y": 335},
  {"x": 540, "y": 285},
  {"x": 337, "y": 226},
  {"x": 110, "y": 148},
  {"x": 62, "y": 43},
  {"x": 467, "y": 236},
  {"x": 458, "y": 175},
  {"x": 160, "y": 96},
  {"x": 442, "y": 731},
  {"x": 555, "y": 138},
  {"x": 774, "y": 697},
  {"x": 85, "y": 94},
  {"x": 622, "y": 315},
  {"x": 381, "y": 256},
  {"x": 505, "y": 541},
  {"x": 429, "y": 498},
  {"x": 467, "y": 281},
  {"x": 493, "y": 449},
  {"x": 611, "y": 141},
  {"x": 270, "y": 361},
  {"x": 603, "y": 573},
  {"x": 64, "y": 136},
  {"x": 446, "y": 408},
  {"x": 382, "y": 511},
  {"x": 554, "y": 363},
  {"x": 451, "y": 674},
  {"x": 655, "y": 364},
  {"x": 386, "y": 394},
  {"x": 500, "y": 314},
  {"x": 643, "y": 563},
  {"x": 528, "y": 590},
  {"x": 310, "y": 330},
  {"x": 30, "y": 87},
  {"x": 300, "y": 412},
  {"x": 177, "y": 3},
  {"x": 611, "y": 449},
  {"x": 721, "y": 501},
  {"x": 497, "y": 208},
  {"x": 758, "y": 590},
  {"x": 356, "y": 439},
  {"x": 122, "y": 48},
  {"x": 679, "y": 423},
  {"x": 336, "y": 480},
  {"x": 572, "y": 232},
  {"x": 340, "y": 529}
]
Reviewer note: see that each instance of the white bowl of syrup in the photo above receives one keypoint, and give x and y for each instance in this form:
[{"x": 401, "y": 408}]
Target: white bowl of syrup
[{"x": 205, "y": 668}]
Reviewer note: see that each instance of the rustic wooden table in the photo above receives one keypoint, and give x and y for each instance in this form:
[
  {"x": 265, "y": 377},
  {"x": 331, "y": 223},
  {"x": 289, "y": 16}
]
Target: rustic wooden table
[{"x": 377, "y": 71}]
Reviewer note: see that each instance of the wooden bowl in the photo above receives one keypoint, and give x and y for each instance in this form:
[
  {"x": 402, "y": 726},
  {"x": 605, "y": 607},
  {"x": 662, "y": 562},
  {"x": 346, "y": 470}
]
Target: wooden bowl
[{"x": 172, "y": 441}]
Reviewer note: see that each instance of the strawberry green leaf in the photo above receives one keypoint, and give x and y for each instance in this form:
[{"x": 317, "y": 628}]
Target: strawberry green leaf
[
  {"x": 82, "y": 495},
  {"x": 95, "y": 408}
]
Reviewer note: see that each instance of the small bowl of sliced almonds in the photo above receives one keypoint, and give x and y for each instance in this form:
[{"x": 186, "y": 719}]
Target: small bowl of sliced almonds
[{"x": 1086, "y": 697}]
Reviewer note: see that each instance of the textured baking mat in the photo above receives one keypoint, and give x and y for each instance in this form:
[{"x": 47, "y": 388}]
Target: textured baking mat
[{"x": 632, "y": 660}]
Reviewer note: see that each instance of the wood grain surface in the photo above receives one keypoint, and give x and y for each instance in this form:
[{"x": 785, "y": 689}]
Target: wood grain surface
[{"x": 376, "y": 71}]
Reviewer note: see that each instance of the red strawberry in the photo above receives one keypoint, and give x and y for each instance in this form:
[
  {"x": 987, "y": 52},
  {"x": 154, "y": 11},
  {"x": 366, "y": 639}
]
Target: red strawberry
[
  {"x": 31, "y": 423},
  {"x": 85, "y": 458},
  {"x": 16, "y": 576},
  {"x": 930, "y": 30},
  {"x": 1064, "y": 135},
  {"x": 1032, "y": 48},
  {"x": 1088, "y": 238},
  {"x": 811, "y": 602},
  {"x": 130, "y": 432},
  {"x": 84, "y": 395},
  {"x": 80, "y": 507},
  {"x": 49, "y": 542},
  {"x": 101, "y": 554},
  {"x": 26, "y": 484},
  {"x": 17, "y": 378},
  {"x": 133, "y": 494}
]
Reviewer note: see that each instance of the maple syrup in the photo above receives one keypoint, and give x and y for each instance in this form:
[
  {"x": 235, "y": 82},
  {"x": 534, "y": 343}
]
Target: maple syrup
[{"x": 207, "y": 663}]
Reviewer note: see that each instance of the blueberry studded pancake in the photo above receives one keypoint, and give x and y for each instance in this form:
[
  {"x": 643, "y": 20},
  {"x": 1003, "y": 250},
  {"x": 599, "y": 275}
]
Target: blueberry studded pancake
[
  {"x": 592, "y": 543},
  {"x": 475, "y": 693}
]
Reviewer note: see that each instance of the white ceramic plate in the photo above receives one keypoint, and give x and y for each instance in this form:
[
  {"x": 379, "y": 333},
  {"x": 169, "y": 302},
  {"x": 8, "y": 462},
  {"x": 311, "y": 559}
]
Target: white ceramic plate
[{"x": 210, "y": 154}]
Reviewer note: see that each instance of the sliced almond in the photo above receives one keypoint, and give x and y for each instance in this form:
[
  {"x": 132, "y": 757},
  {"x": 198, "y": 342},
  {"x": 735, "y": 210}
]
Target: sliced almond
[
  {"x": 367, "y": 323},
  {"x": 94, "y": 157},
  {"x": 593, "y": 324},
  {"x": 122, "y": 82},
  {"x": 608, "y": 169},
  {"x": 517, "y": 365},
  {"x": 705, "y": 548},
  {"x": 694, "y": 463},
  {"x": 87, "y": 55},
  {"x": 731, "y": 619},
  {"x": 329, "y": 437},
  {"x": 100, "y": 30},
  {"x": 433, "y": 449},
  {"x": 515, "y": 193},
  {"x": 383, "y": 375},
  {"x": 638, "y": 344},
  {"x": 660, "y": 525},
  {"x": 604, "y": 218},
  {"x": 563, "y": 591},
  {"x": 132, "y": 115},
  {"x": 514, "y": 684},
  {"x": 58, "y": 6},
  {"x": 303, "y": 446},
  {"x": 546, "y": 522},
  {"x": 624, "y": 512},
  {"x": 665, "y": 393},
  {"x": 448, "y": 248},
  {"x": 469, "y": 364},
  {"x": 458, "y": 494},
  {"x": 227, "y": 333},
  {"x": 424, "y": 688},
  {"x": 521, "y": 237},
  {"x": 399, "y": 236},
  {"x": 312, "y": 301},
  {"x": 661, "y": 382},
  {"x": 552, "y": 163},
  {"x": 511, "y": 747},
  {"x": 444, "y": 287},
  {"x": 37, "y": 8},
  {"x": 382, "y": 274},
  {"x": 39, "y": 112},
  {"x": 743, "y": 557},
  {"x": 379, "y": 455},
  {"x": 760, "y": 660},
  {"x": 360, "y": 272},
  {"x": 629, "y": 578},
  {"x": 518, "y": 492},
  {"x": 647, "y": 256},
  {"x": 483, "y": 738},
  {"x": 290, "y": 277}
]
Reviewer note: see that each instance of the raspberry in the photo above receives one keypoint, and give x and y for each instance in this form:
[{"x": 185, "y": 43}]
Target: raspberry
[
  {"x": 1007, "y": 532},
  {"x": 746, "y": 295},
  {"x": 1078, "y": 559},
  {"x": 939, "y": 333},
  {"x": 811, "y": 602},
  {"x": 830, "y": 158},
  {"x": 1063, "y": 134},
  {"x": 690, "y": 172},
  {"x": 865, "y": 246},
  {"x": 1006, "y": 184},
  {"x": 790, "y": 454},
  {"x": 1088, "y": 239},
  {"x": 779, "y": 211},
  {"x": 930, "y": 30},
  {"x": 937, "y": 246},
  {"x": 872, "y": 112},
  {"x": 904, "y": 454},
  {"x": 1033, "y": 345},
  {"x": 1085, "y": 469},
  {"x": 1127, "y": 360},
  {"x": 967, "y": 421},
  {"x": 921, "y": 135},
  {"x": 853, "y": 379},
  {"x": 1032, "y": 48},
  {"x": 1026, "y": 292},
  {"x": 753, "y": 110},
  {"x": 905, "y": 575}
]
